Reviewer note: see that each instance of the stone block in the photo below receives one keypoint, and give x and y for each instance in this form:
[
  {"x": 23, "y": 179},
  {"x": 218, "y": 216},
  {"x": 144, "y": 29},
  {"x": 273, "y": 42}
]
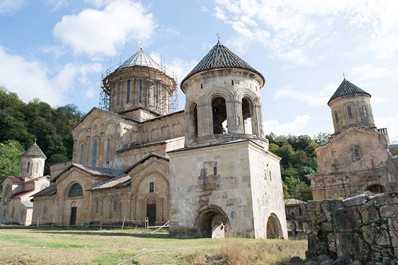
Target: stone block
[
  {"x": 393, "y": 228},
  {"x": 327, "y": 227},
  {"x": 345, "y": 220},
  {"x": 357, "y": 200},
  {"x": 331, "y": 205},
  {"x": 376, "y": 235},
  {"x": 386, "y": 198},
  {"x": 388, "y": 211},
  {"x": 349, "y": 244},
  {"x": 368, "y": 213}
]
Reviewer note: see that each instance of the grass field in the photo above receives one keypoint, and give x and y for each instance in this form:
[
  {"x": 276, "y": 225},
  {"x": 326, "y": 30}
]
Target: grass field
[{"x": 134, "y": 246}]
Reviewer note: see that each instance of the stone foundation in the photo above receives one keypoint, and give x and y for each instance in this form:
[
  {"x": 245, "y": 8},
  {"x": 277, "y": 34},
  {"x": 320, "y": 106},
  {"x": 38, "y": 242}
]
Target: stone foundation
[{"x": 363, "y": 228}]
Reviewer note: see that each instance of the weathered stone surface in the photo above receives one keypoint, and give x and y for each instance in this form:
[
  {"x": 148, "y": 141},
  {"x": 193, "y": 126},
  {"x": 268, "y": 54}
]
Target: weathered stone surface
[
  {"x": 387, "y": 198},
  {"x": 327, "y": 262},
  {"x": 357, "y": 200},
  {"x": 387, "y": 211},
  {"x": 296, "y": 260},
  {"x": 368, "y": 213},
  {"x": 343, "y": 259},
  {"x": 376, "y": 235},
  {"x": 345, "y": 220}
]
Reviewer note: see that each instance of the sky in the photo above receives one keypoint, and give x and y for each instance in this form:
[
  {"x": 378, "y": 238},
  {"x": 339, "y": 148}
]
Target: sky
[{"x": 58, "y": 50}]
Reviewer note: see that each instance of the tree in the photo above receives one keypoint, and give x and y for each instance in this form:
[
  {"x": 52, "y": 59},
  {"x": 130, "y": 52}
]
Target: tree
[{"x": 10, "y": 158}]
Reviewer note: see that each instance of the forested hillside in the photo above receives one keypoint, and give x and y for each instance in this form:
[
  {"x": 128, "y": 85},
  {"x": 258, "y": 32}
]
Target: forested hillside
[{"x": 21, "y": 124}]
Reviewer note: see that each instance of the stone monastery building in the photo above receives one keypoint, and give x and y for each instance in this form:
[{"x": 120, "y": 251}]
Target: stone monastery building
[
  {"x": 206, "y": 169},
  {"x": 356, "y": 158},
  {"x": 16, "y": 204}
]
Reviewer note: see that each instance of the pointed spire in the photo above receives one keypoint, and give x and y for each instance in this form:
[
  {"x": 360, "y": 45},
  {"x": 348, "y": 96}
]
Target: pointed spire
[
  {"x": 34, "y": 151},
  {"x": 347, "y": 88}
]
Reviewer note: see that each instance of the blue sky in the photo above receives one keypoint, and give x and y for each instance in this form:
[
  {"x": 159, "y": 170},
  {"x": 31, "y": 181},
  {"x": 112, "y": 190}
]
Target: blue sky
[{"x": 56, "y": 50}]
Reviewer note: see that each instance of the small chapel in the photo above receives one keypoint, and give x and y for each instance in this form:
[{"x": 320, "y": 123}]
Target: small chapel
[
  {"x": 16, "y": 206},
  {"x": 206, "y": 169}
]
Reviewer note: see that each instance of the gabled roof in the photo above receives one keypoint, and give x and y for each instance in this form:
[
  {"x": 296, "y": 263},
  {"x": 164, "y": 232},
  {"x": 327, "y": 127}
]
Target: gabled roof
[
  {"x": 140, "y": 58},
  {"x": 347, "y": 88},
  {"x": 15, "y": 179},
  {"x": 144, "y": 159},
  {"x": 117, "y": 182},
  {"x": 94, "y": 171},
  {"x": 221, "y": 57},
  {"x": 34, "y": 151},
  {"x": 50, "y": 190}
]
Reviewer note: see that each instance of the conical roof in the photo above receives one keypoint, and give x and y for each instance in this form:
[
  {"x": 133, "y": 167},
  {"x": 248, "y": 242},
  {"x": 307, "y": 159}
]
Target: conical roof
[
  {"x": 347, "y": 88},
  {"x": 221, "y": 57},
  {"x": 140, "y": 58},
  {"x": 34, "y": 151}
]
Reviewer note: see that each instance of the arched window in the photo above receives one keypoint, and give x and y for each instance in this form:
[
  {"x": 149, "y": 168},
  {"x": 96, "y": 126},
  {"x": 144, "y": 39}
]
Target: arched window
[
  {"x": 94, "y": 155},
  {"x": 349, "y": 112},
  {"x": 75, "y": 191},
  {"x": 118, "y": 93},
  {"x": 356, "y": 153},
  {"x": 140, "y": 91},
  {"x": 364, "y": 111},
  {"x": 28, "y": 168},
  {"x": 376, "y": 188},
  {"x": 194, "y": 119},
  {"x": 36, "y": 166},
  {"x": 247, "y": 116},
  {"x": 114, "y": 205},
  {"x": 219, "y": 109},
  {"x": 81, "y": 154},
  {"x": 108, "y": 151},
  {"x": 128, "y": 92},
  {"x": 97, "y": 206}
]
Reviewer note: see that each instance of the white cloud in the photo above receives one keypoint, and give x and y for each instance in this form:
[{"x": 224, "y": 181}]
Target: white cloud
[
  {"x": 372, "y": 72},
  {"x": 296, "y": 127},
  {"x": 314, "y": 99},
  {"x": 296, "y": 30},
  {"x": 10, "y": 5},
  {"x": 31, "y": 79},
  {"x": 103, "y": 32}
]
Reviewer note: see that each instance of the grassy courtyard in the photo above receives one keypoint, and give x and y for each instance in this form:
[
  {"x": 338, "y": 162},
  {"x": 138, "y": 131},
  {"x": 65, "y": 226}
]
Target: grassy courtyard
[{"x": 135, "y": 246}]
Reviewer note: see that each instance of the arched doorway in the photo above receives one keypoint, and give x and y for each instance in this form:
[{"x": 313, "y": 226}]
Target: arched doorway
[
  {"x": 219, "y": 110},
  {"x": 151, "y": 211},
  {"x": 73, "y": 213},
  {"x": 376, "y": 188},
  {"x": 194, "y": 119},
  {"x": 213, "y": 223},
  {"x": 274, "y": 229}
]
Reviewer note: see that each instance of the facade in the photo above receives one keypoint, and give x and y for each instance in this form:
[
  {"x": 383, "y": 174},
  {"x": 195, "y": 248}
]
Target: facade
[
  {"x": 136, "y": 161},
  {"x": 16, "y": 205},
  {"x": 356, "y": 157}
]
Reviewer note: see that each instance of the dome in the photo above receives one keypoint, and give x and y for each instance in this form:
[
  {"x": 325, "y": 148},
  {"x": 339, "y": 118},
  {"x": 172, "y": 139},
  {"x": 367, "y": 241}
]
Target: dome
[
  {"x": 140, "y": 58},
  {"x": 34, "y": 151},
  {"x": 347, "y": 88},
  {"x": 221, "y": 57}
]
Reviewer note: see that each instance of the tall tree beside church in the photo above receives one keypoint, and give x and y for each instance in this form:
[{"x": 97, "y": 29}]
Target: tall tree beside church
[
  {"x": 298, "y": 160},
  {"x": 10, "y": 157},
  {"x": 38, "y": 120}
]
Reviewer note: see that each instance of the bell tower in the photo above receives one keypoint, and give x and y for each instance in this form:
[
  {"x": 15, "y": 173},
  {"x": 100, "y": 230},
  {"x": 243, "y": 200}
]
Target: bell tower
[
  {"x": 32, "y": 162},
  {"x": 222, "y": 99}
]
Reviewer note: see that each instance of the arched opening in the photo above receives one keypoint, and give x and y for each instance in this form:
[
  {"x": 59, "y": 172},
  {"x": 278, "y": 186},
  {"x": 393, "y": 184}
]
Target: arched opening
[
  {"x": 194, "y": 119},
  {"x": 219, "y": 110},
  {"x": 73, "y": 213},
  {"x": 213, "y": 223},
  {"x": 376, "y": 188},
  {"x": 7, "y": 194},
  {"x": 151, "y": 211},
  {"x": 274, "y": 229},
  {"x": 94, "y": 154},
  {"x": 247, "y": 114},
  {"x": 75, "y": 191}
]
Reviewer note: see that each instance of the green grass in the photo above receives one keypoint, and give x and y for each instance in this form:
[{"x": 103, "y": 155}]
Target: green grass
[{"x": 30, "y": 246}]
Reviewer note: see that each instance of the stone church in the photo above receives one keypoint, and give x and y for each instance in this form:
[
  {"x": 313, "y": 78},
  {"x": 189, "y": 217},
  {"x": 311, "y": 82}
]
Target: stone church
[
  {"x": 207, "y": 169},
  {"x": 16, "y": 205},
  {"x": 356, "y": 158}
]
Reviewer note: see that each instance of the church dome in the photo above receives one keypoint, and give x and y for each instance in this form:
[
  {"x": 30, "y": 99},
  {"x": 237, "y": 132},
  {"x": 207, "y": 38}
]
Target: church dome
[
  {"x": 347, "y": 88},
  {"x": 140, "y": 58},
  {"x": 34, "y": 151},
  {"x": 221, "y": 57}
]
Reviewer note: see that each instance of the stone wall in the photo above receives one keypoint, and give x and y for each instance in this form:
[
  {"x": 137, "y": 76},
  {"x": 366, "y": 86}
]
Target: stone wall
[{"x": 363, "y": 228}]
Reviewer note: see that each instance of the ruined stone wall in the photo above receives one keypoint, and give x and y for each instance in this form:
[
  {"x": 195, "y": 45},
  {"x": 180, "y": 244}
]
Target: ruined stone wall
[{"x": 362, "y": 228}]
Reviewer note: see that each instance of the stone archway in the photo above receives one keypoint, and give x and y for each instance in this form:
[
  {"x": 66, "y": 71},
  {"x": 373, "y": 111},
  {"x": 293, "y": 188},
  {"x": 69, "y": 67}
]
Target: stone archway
[
  {"x": 274, "y": 228},
  {"x": 376, "y": 188},
  {"x": 213, "y": 223}
]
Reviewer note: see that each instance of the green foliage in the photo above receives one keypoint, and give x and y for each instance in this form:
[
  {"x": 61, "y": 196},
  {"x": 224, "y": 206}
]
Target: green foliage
[
  {"x": 10, "y": 157},
  {"x": 298, "y": 161},
  {"x": 38, "y": 120}
]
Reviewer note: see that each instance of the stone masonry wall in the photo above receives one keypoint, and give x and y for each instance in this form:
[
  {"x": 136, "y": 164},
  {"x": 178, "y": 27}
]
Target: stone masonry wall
[{"x": 363, "y": 228}]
